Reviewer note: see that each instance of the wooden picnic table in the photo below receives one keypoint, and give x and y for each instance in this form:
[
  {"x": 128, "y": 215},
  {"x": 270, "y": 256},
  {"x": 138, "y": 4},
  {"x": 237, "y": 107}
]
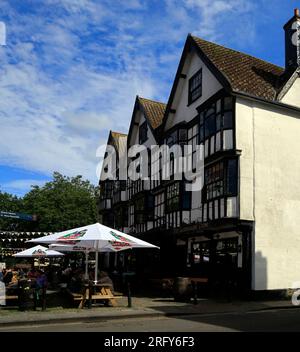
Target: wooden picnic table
[
  {"x": 95, "y": 292},
  {"x": 199, "y": 280}
]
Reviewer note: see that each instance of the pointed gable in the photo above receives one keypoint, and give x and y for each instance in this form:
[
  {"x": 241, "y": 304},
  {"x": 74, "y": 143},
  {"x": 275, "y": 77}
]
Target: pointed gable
[
  {"x": 154, "y": 111},
  {"x": 180, "y": 108},
  {"x": 290, "y": 92},
  {"x": 146, "y": 111},
  {"x": 118, "y": 140},
  {"x": 235, "y": 71}
]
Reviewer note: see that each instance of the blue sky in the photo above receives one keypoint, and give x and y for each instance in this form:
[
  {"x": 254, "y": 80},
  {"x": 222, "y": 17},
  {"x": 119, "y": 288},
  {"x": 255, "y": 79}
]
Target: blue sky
[{"x": 71, "y": 70}]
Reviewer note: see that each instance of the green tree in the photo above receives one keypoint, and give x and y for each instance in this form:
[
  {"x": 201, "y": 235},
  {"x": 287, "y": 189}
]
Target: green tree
[
  {"x": 61, "y": 204},
  {"x": 9, "y": 203}
]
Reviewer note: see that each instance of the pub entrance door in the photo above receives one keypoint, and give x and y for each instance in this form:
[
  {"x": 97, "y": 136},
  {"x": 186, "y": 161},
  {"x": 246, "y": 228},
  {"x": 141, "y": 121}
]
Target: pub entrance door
[{"x": 218, "y": 261}]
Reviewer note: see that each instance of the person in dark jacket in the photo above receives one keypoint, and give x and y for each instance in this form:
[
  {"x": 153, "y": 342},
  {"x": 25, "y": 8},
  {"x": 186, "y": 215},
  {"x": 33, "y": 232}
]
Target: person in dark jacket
[
  {"x": 105, "y": 280},
  {"x": 7, "y": 277}
]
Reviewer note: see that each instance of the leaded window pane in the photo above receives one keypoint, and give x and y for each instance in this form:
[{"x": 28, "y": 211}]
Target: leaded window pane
[{"x": 195, "y": 86}]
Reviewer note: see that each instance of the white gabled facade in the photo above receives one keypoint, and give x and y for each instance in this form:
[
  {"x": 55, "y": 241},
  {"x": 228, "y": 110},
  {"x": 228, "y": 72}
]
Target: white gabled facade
[
  {"x": 113, "y": 194},
  {"x": 185, "y": 112},
  {"x": 141, "y": 201},
  {"x": 139, "y": 119}
]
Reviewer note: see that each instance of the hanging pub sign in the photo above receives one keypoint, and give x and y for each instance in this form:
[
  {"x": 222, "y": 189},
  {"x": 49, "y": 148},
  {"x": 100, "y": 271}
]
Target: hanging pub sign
[{"x": 20, "y": 216}]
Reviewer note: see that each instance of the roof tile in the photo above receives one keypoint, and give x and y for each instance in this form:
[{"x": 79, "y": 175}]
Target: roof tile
[
  {"x": 245, "y": 73},
  {"x": 155, "y": 111},
  {"x": 119, "y": 143}
]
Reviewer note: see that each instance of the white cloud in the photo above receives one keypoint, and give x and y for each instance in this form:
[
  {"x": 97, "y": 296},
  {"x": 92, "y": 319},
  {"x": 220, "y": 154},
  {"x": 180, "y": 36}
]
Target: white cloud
[
  {"x": 212, "y": 15},
  {"x": 72, "y": 68}
]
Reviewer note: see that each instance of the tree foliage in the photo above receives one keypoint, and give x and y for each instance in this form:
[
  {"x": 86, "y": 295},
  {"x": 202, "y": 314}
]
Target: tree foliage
[
  {"x": 9, "y": 203},
  {"x": 61, "y": 204}
]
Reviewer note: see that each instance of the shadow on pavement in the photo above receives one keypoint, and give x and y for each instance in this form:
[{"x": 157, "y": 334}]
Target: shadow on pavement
[{"x": 237, "y": 315}]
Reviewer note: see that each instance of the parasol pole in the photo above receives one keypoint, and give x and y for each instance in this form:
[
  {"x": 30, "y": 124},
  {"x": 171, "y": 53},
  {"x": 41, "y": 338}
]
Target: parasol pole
[
  {"x": 86, "y": 275},
  {"x": 96, "y": 263},
  {"x": 96, "y": 267}
]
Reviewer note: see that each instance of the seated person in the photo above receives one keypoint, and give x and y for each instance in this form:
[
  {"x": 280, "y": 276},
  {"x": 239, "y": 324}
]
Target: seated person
[
  {"x": 66, "y": 275},
  {"x": 14, "y": 280},
  {"x": 104, "y": 279},
  {"x": 76, "y": 281}
]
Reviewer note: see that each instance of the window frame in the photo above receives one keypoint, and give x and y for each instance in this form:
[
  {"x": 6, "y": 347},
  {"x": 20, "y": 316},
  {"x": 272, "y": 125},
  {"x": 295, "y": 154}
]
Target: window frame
[
  {"x": 131, "y": 215},
  {"x": 223, "y": 115},
  {"x": 143, "y": 128},
  {"x": 222, "y": 180},
  {"x": 106, "y": 189},
  {"x": 121, "y": 217},
  {"x": 170, "y": 198},
  {"x": 191, "y": 98},
  {"x": 193, "y": 140},
  {"x": 139, "y": 213},
  {"x": 159, "y": 209}
]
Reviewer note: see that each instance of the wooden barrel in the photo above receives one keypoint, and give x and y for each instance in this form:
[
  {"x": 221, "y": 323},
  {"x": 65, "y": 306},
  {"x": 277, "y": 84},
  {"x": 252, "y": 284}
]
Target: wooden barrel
[{"x": 182, "y": 290}]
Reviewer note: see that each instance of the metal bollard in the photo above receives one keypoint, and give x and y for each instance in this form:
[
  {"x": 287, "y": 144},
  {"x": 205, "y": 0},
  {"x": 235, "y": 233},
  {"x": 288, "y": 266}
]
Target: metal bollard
[
  {"x": 129, "y": 295},
  {"x": 194, "y": 286},
  {"x": 90, "y": 293},
  {"x": 43, "y": 298}
]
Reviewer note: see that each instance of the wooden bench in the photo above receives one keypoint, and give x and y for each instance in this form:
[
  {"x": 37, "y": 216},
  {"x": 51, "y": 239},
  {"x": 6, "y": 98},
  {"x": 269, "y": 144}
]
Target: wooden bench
[
  {"x": 103, "y": 293},
  {"x": 9, "y": 295},
  {"x": 4, "y": 299},
  {"x": 10, "y": 298},
  {"x": 75, "y": 296}
]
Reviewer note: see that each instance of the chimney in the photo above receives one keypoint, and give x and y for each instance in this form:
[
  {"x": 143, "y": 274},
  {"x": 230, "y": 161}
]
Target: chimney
[{"x": 292, "y": 42}]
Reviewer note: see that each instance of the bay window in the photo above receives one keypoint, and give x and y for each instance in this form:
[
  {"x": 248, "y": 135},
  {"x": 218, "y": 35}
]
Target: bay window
[
  {"x": 216, "y": 125},
  {"x": 159, "y": 209},
  {"x": 193, "y": 138},
  {"x": 221, "y": 180},
  {"x": 173, "y": 197},
  {"x": 139, "y": 207}
]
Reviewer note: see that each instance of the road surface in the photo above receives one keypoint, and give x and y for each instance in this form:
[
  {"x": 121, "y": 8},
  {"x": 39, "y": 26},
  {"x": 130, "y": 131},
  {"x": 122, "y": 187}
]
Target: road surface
[{"x": 270, "y": 320}]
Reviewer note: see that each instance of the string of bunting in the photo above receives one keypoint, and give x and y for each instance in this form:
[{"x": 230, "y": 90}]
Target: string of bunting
[
  {"x": 13, "y": 237},
  {"x": 8, "y": 252},
  {"x": 20, "y": 236}
]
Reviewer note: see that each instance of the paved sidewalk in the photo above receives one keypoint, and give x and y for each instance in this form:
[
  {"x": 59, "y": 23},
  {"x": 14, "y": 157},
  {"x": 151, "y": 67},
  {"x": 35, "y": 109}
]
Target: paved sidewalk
[{"x": 141, "y": 307}]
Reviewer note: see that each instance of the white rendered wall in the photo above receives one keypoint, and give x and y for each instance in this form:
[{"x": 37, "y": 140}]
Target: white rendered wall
[
  {"x": 140, "y": 119},
  {"x": 273, "y": 160},
  {"x": 244, "y": 142}
]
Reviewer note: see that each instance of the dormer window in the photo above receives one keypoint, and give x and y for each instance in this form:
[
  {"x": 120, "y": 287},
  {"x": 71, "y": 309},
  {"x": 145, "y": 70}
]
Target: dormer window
[
  {"x": 195, "y": 86},
  {"x": 143, "y": 133}
]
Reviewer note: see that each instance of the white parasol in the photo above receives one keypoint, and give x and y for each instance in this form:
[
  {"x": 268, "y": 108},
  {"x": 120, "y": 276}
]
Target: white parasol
[
  {"x": 94, "y": 238},
  {"x": 38, "y": 252}
]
